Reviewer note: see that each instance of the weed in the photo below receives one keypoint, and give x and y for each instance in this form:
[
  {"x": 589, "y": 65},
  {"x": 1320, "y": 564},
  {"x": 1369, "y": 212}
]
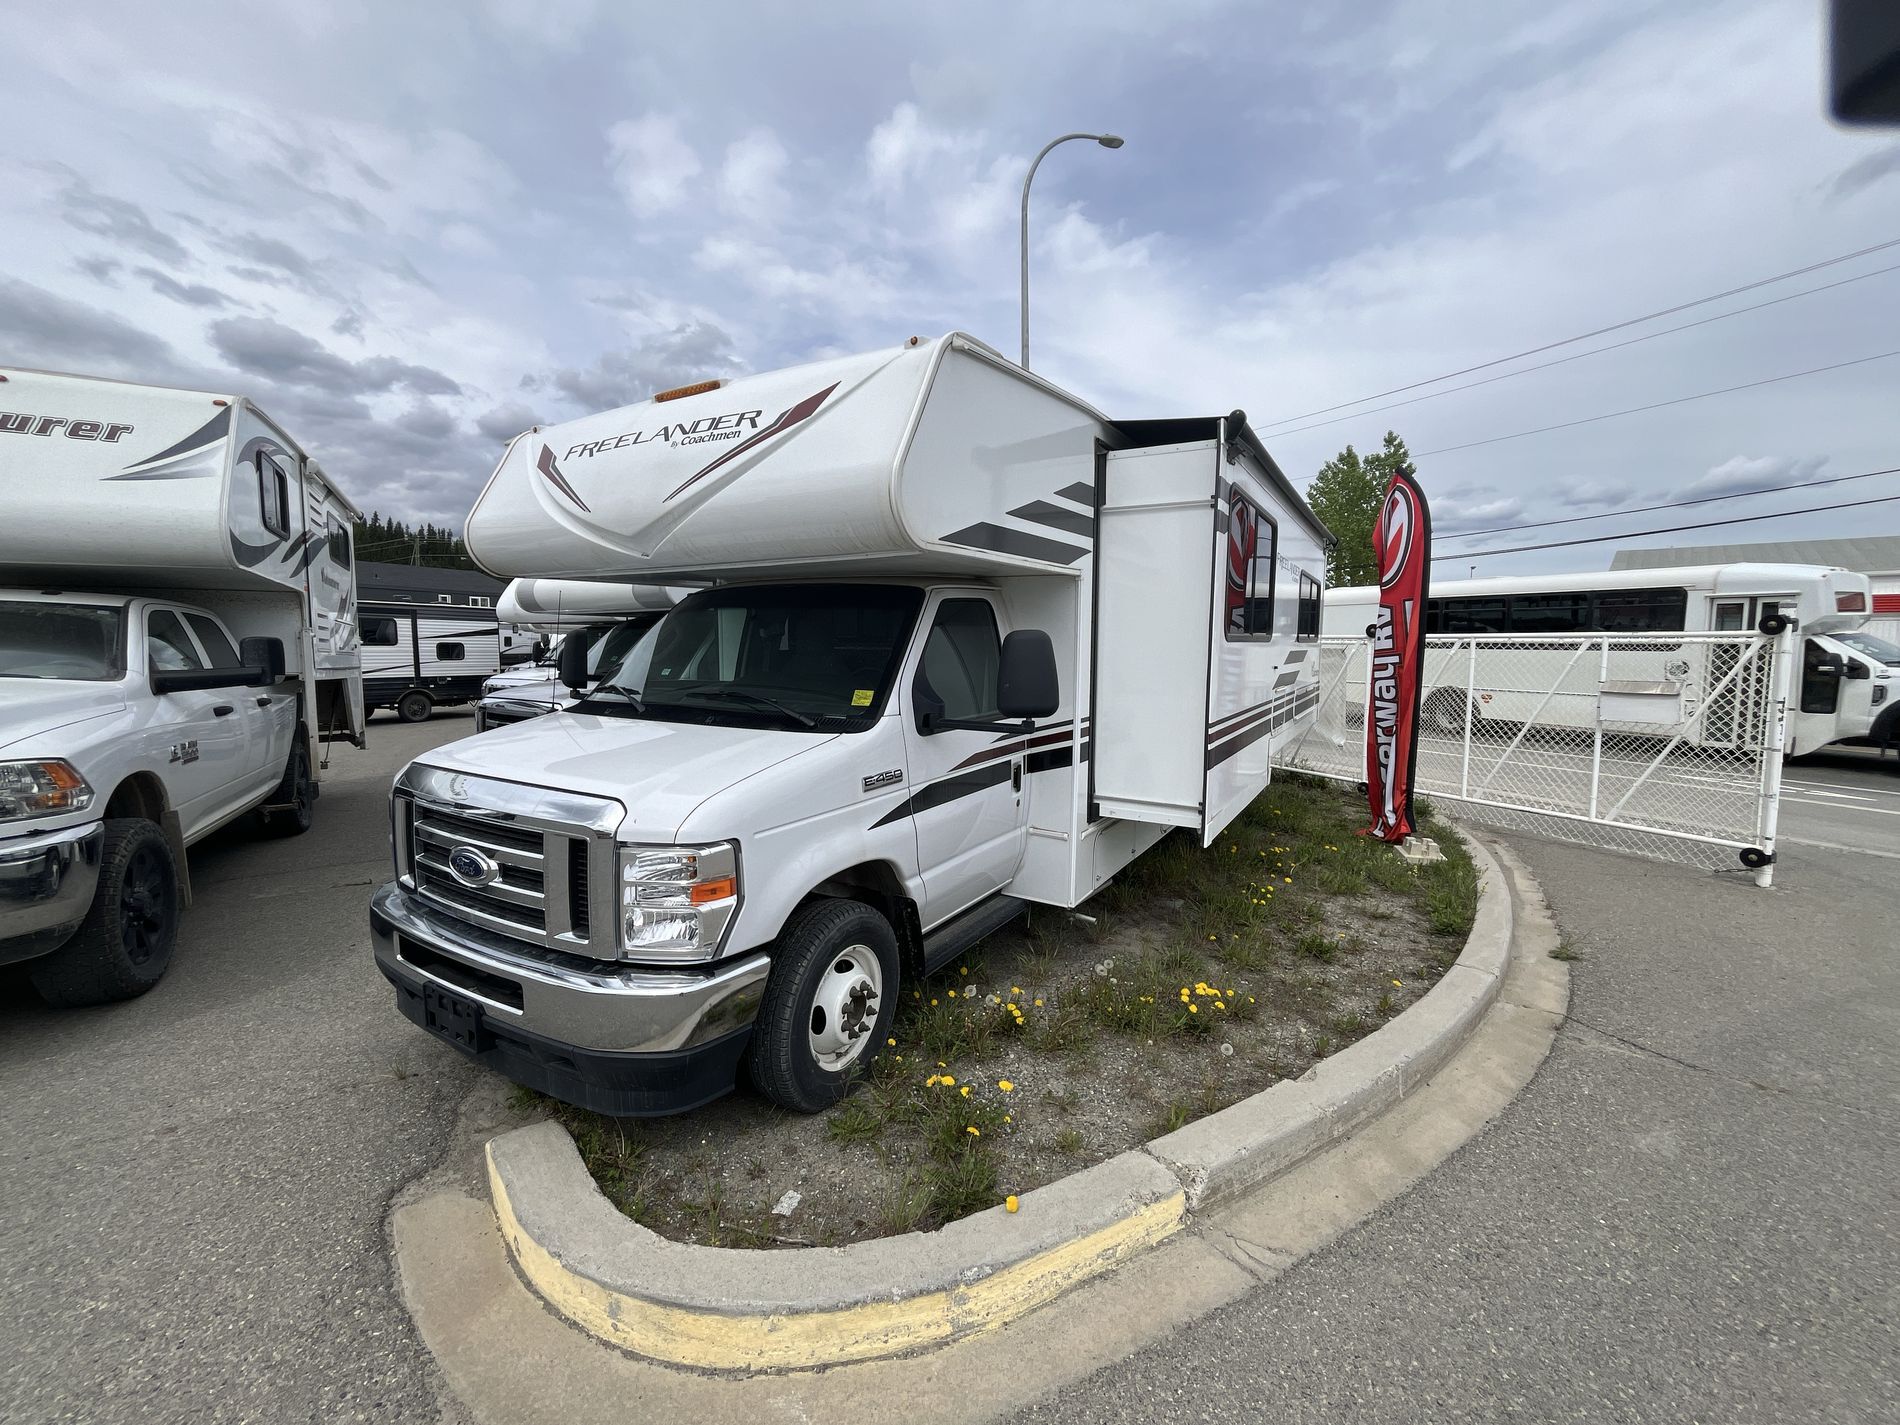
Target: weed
[
  {"x": 1566, "y": 951},
  {"x": 1315, "y": 945},
  {"x": 1176, "y": 1115},
  {"x": 1385, "y": 1006},
  {"x": 1069, "y": 1141},
  {"x": 855, "y": 1122},
  {"x": 1322, "y": 1045}
]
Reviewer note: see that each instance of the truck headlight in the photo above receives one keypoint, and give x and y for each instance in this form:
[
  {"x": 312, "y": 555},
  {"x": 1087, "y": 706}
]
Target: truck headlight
[
  {"x": 45, "y": 788},
  {"x": 676, "y": 901}
]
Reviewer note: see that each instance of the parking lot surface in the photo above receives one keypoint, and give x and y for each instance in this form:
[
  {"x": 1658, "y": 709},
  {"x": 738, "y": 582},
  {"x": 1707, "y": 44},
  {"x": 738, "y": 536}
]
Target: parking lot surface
[{"x": 196, "y": 1181}]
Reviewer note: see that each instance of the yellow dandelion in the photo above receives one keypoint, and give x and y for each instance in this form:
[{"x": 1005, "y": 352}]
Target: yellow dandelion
[
  {"x": 1005, "y": 1085},
  {"x": 1015, "y": 989},
  {"x": 963, "y": 969},
  {"x": 891, "y": 1042},
  {"x": 1038, "y": 1004},
  {"x": 932, "y": 1081},
  {"x": 1220, "y": 1004},
  {"x": 974, "y": 1131},
  {"x": 949, "y": 1081},
  {"x": 1398, "y": 984},
  {"x": 1010, "y": 1204},
  {"x": 1008, "y": 1119},
  {"x": 951, "y": 993},
  {"x": 933, "y": 1001},
  {"x": 1194, "y": 1009},
  {"x": 965, "y": 1090}
]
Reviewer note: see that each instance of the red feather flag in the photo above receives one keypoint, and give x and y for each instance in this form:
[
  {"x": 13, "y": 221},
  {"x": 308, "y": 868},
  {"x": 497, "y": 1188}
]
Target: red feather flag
[{"x": 1403, "y": 549}]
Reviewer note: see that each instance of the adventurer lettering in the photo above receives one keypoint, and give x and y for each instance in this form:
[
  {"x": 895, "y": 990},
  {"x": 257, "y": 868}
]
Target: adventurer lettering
[
  {"x": 24, "y": 424},
  {"x": 706, "y": 429}
]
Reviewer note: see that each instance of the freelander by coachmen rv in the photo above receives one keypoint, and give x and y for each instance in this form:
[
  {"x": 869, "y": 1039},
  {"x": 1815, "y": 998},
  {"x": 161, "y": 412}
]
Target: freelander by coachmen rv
[{"x": 961, "y": 644}]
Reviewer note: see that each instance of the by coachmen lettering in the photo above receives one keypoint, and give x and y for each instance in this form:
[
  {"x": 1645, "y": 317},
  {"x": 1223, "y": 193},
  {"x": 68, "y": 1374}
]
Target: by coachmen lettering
[
  {"x": 729, "y": 426},
  {"x": 23, "y": 423}
]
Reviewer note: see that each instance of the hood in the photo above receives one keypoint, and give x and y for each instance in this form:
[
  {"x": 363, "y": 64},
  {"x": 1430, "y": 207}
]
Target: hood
[
  {"x": 30, "y": 707},
  {"x": 659, "y": 771},
  {"x": 519, "y": 678}
]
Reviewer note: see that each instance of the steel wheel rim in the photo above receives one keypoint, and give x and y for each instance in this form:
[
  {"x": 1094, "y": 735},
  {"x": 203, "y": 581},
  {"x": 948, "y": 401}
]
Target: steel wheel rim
[
  {"x": 844, "y": 1008},
  {"x": 144, "y": 900}
]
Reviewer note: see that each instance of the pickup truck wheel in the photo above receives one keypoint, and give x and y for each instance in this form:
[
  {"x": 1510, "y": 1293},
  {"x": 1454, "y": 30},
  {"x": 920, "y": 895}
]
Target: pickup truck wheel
[
  {"x": 294, "y": 803},
  {"x": 829, "y": 1003},
  {"x": 415, "y": 707},
  {"x": 122, "y": 947}
]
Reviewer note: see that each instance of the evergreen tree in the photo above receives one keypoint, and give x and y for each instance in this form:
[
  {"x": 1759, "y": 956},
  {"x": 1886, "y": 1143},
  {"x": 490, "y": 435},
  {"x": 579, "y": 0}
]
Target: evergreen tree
[{"x": 1346, "y": 495}]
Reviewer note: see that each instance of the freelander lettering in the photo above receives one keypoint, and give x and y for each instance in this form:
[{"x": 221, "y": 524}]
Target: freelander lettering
[{"x": 729, "y": 426}]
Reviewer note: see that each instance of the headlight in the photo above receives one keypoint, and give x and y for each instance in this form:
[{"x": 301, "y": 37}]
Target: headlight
[
  {"x": 676, "y": 901},
  {"x": 41, "y": 789}
]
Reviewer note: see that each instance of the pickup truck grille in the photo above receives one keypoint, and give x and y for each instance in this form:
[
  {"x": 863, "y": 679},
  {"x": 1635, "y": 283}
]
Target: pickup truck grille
[{"x": 546, "y": 876}]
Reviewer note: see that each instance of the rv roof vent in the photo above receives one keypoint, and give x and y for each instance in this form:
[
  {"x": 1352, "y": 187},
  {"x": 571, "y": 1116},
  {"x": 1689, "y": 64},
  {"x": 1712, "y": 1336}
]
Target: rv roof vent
[{"x": 698, "y": 388}]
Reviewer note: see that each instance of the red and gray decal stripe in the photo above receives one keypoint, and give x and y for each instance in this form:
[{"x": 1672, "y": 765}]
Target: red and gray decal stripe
[
  {"x": 555, "y": 478},
  {"x": 1241, "y": 730},
  {"x": 1048, "y": 749},
  {"x": 787, "y": 418}
]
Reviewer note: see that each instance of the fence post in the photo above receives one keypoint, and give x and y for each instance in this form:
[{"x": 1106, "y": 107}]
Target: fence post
[
  {"x": 1596, "y": 749},
  {"x": 1777, "y": 741},
  {"x": 1470, "y": 718}
]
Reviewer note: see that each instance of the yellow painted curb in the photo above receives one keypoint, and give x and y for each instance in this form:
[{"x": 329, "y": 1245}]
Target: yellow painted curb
[{"x": 781, "y": 1341}]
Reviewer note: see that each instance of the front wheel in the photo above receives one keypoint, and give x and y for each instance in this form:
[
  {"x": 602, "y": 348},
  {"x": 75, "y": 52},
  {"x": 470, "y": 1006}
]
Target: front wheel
[
  {"x": 829, "y": 1003},
  {"x": 415, "y": 707},
  {"x": 122, "y": 947}
]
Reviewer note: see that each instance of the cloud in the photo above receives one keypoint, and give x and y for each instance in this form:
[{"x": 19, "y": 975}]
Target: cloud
[
  {"x": 651, "y": 162},
  {"x": 696, "y": 352},
  {"x": 1741, "y": 474},
  {"x": 259, "y": 346},
  {"x": 1865, "y": 172},
  {"x": 1592, "y": 497},
  {"x": 192, "y": 294},
  {"x": 39, "y": 328},
  {"x": 751, "y": 179},
  {"x": 1454, "y": 511},
  {"x": 901, "y": 146},
  {"x": 504, "y": 423},
  {"x": 100, "y": 269},
  {"x": 276, "y": 262},
  {"x": 119, "y": 221}
]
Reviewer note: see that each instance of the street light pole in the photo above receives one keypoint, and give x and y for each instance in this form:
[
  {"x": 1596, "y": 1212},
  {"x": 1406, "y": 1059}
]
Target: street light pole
[{"x": 1106, "y": 141}]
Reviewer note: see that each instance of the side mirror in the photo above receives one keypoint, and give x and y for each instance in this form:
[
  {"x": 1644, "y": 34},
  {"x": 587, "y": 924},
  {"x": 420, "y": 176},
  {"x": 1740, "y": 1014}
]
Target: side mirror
[
  {"x": 1858, "y": 669},
  {"x": 1026, "y": 682},
  {"x": 572, "y": 664},
  {"x": 264, "y": 658}
]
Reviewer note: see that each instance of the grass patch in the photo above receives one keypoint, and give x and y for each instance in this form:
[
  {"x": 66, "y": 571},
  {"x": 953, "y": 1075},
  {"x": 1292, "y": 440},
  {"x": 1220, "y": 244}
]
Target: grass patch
[{"x": 1566, "y": 951}]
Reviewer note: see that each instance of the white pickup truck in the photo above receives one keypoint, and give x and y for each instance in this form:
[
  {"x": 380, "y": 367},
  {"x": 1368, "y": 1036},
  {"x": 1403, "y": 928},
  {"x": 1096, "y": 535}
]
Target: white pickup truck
[{"x": 176, "y": 639}]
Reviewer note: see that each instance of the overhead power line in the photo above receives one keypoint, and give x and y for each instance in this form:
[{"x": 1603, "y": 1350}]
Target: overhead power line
[
  {"x": 1658, "y": 405},
  {"x": 1585, "y": 336},
  {"x": 1672, "y": 529},
  {"x": 1672, "y": 504},
  {"x": 1594, "y": 351}
]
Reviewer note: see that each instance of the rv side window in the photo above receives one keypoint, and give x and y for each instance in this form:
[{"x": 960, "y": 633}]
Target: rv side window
[
  {"x": 211, "y": 638},
  {"x": 1310, "y": 604},
  {"x": 961, "y": 658},
  {"x": 1251, "y": 546},
  {"x": 478, "y": 601},
  {"x": 379, "y": 632},
  {"x": 450, "y": 652},
  {"x": 340, "y": 551},
  {"x": 273, "y": 487},
  {"x": 168, "y": 648},
  {"x": 1469, "y": 616},
  {"x": 1640, "y": 610}
]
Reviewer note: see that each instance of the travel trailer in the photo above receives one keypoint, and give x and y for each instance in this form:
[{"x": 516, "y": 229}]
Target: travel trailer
[
  {"x": 960, "y": 644},
  {"x": 1845, "y": 687},
  {"x": 419, "y": 657},
  {"x": 177, "y": 639},
  {"x": 607, "y": 618}
]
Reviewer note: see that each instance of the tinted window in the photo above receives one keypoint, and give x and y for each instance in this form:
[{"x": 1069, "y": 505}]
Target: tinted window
[
  {"x": 1549, "y": 613},
  {"x": 1251, "y": 541},
  {"x": 273, "y": 488},
  {"x": 168, "y": 647},
  {"x": 378, "y": 632},
  {"x": 450, "y": 652},
  {"x": 216, "y": 646},
  {"x": 1469, "y": 616},
  {"x": 1639, "y": 610},
  {"x": 340, "y": 547},
  {"x": 961, "y": 658},
  {"x": 1310, "y": 604},
  {"x": 59, "y": 640}
]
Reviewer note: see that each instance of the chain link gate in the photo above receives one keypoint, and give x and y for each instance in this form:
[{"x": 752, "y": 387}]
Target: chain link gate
[{"x": 1667, "y": 745}]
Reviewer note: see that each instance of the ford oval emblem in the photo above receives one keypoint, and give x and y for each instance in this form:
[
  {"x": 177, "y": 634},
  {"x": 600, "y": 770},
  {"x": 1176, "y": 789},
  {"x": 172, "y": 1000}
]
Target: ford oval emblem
[{"x": 471, "y": 867}]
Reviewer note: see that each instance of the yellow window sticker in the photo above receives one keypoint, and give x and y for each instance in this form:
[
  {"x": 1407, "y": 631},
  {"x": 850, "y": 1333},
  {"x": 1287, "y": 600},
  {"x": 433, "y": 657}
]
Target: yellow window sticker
[{"x": 861, "y": 698}]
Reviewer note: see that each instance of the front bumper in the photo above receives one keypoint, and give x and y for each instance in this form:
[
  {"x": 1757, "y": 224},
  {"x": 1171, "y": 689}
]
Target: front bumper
[
  {"x": 616, "y": 1040},
  {"x": 46, "y": 884}
]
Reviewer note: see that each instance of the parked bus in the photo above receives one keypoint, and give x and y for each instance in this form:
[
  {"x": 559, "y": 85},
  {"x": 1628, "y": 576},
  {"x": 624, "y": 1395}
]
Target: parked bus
[{"x": 1843, "y": 691}]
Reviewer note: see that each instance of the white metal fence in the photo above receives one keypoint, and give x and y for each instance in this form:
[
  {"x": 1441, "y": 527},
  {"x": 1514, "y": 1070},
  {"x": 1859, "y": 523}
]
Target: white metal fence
[{"x": 1666, "y": 745}]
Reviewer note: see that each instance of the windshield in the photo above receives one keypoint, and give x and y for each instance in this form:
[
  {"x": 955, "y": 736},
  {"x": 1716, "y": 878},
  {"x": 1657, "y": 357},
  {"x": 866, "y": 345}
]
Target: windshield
[
  {"x": 61, "y": 640},
  {"x": 802, "y": 656},
  {"x": 1876, "y": 648}
]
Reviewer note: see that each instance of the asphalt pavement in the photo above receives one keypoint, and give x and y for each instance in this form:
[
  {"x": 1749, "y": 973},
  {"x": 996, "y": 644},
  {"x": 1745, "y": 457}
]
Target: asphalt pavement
[
  {"x": 1844, "y": 798},
  {"x": 196, "y": 1181},
  {"x": 1692, "y": 1213}
]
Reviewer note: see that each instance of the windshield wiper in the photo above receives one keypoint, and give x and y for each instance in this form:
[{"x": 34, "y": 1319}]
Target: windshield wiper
[
  {"x": 639, "y": 703},
  {"x": 757, "y": 701}
]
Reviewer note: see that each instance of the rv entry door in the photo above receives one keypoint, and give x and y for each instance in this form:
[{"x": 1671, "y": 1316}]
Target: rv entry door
[{"x": 966, "y": 786}]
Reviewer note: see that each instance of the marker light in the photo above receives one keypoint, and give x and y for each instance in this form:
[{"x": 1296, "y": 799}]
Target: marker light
[
  {"x": 1850, "y": 603},
  {"x": 698, "y": 388}
]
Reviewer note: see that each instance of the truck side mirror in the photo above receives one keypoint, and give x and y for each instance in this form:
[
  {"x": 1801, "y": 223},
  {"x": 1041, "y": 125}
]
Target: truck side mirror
[
  {"x": 1026, "y": 682},
  {"x": 572, "y": 664},
  {"x": 264, "y": 657},
  {"x": 1857, "y": 669}
]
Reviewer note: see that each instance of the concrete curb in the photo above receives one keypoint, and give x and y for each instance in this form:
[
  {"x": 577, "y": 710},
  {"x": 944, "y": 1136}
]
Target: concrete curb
[{"x": 730, "y": 1309}]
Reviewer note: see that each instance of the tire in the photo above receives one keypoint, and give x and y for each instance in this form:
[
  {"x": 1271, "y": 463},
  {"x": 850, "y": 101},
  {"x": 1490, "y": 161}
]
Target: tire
[
  {"x": 415, "y": 706},
  {"x": 125, "y": 942},
  {"x": 1445, "y": 713},
  {"x": 830, "y": 952},
  {"x": 298, "y": 791}
]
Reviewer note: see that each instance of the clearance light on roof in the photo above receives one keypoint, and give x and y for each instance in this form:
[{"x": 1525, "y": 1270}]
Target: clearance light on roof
[
  {"x": 1850, "y": 603},
  {"x": 698, "y": 388}
]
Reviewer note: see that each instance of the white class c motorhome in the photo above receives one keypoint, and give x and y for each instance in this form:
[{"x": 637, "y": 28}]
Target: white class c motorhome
[
  {"x": 1844, "y": 687},
  {"x": 177, "y": 635},
  {"x": 607, "y": 617},
  {"x": 963, "y": 643}
]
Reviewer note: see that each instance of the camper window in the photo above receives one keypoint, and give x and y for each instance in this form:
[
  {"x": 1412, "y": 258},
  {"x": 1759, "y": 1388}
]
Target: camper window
[
  {"x": 961, "y": 658},
  {"x": 168, "y": 648},
  {"x": 340, "y": 551},
  {"x": 1252, "y": 545},
  {"x": 216, "y": 646},
  {"x": 450, "y": 652},
  {"x": 273, "y": 487},
  {"x": 379, "y": 633},
  {"x": 1310, "y": 605}
]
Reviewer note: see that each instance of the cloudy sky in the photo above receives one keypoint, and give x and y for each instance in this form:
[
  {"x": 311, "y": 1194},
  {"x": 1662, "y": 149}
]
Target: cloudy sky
[{"x": 412, "y": 230}]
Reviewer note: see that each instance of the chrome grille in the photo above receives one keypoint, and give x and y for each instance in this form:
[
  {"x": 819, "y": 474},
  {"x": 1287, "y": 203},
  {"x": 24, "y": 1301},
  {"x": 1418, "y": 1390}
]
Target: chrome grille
[{"x": 515, "y": 900}]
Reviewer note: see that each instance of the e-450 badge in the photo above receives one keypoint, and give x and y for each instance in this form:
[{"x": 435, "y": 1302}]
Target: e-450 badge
[{"x": 884, "y": 779}]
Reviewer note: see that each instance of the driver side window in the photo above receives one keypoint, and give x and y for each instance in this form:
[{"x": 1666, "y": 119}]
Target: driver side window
[
  {"x": 961, "y": 657},
  {"x": 168, "y": 648}
]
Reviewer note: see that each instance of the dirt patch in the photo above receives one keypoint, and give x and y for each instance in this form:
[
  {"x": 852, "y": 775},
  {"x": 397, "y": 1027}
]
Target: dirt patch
[{"x": 1200, "y": 978}]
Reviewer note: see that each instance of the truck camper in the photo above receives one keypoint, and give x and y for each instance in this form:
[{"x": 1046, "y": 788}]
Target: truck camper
[
  {"x": 608, "y": 618},
  {"x": 177, "y": 641},
  {"x": 959, "y": 644}
]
